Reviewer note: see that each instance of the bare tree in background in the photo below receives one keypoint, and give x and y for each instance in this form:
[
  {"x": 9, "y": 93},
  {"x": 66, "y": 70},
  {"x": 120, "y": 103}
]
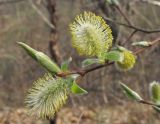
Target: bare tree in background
[{"x": 53, "y": 43}]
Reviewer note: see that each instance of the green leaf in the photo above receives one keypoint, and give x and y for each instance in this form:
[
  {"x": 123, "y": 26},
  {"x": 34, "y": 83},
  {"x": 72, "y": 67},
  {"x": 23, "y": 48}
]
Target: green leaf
[
  {"x": 88, "y": 62},
  {"x": 155, "y": 92},
  {"x": 71, "y": 79},
  {"x": 114, "y": 56},
  {"x": 76, "y": 89},
  {"x": 65, "y": 64},
  {"x": 41, "y": 58},
  {"x": 130, "y": 93},
  {"x": 142, "y": 43}
]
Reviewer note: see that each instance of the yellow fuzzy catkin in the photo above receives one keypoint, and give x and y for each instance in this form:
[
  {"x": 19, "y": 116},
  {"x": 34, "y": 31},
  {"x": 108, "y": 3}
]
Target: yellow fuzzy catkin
[
  {"x": 91, "y": 36},
  {"x": 128, "y": 61},
  {"x": 47, "y": 96}
]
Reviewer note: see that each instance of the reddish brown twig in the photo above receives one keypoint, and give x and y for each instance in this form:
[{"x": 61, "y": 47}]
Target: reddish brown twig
[
  {"x": 152, "y": 44},
  {"x": 130, "y": 36},
  {"x": 146, "y": 102},
  {"x": 83, "y": 72}
]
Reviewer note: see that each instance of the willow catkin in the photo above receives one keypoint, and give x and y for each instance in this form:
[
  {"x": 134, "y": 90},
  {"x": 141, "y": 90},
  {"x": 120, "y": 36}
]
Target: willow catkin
[{"x": 91, "y": 36}]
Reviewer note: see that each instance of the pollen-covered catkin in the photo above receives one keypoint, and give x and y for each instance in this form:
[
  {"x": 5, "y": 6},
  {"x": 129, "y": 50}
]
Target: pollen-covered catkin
[
  {"x": 128, "y": 61},
  {"x": 91, "y": 36},
  {"x": 47, "y": 96}
]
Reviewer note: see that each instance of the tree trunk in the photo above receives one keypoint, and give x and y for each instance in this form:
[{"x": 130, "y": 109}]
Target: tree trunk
[{"x": 53, "y": 43}]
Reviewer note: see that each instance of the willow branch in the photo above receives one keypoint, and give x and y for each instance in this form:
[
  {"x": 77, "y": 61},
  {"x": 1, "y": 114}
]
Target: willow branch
[
  {"x": 41, "y": 15},
  {"x": 132, "y": 27},
  {"x": 153, "y": 43},
  {"x": 123, "y": 14},
  {"x": 130, "y": 36},
  {"x": 146, "y": 102},
  {"x": 83, "y": 72}
]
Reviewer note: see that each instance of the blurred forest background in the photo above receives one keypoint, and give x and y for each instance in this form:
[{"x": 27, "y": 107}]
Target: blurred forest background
[{"x": 43, "y": 24}]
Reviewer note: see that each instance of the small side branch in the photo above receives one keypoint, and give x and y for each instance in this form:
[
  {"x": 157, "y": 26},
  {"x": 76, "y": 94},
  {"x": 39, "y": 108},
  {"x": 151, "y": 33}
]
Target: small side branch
[
  {"x": 129, "y": 38},
  {"x": 85, "y": 71},
  {"x": 41, "y": 14},
  {"x": 133, "y": 27},
  {"x": 153, "y": 43},
  {"x": 146, "y": 103},
  {"x": 123, "y": 14}
]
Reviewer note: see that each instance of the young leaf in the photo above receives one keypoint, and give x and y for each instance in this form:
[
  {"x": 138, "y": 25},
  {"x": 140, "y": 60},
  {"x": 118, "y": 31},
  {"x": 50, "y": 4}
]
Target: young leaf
[
  {"x": 142, "y": 43},
  {"x": 130, "y": 93},
  {"x": 65, "y": 64},
  {"x": 71, "y": 82},
  {"x": 155, "y": 92},
  {"x": 120, "y": 48},
  {"x": 41, "y": 58},
  {"x": 88, "y": 62},
  {"x": 71, "y": 79},
  {"x": 114, "y": 56},
  {"x": 76, "y": 89},
  {"x": 75, "y": 76}
]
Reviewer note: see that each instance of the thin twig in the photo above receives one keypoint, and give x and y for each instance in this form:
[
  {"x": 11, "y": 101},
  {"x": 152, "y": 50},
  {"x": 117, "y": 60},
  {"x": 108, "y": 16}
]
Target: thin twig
[
  {"x": 146, "y": 102},
  {"x": 130, "y": 36},
  {"x": 85, "y": 71},
  {"x": 123, "y": 14},
  {"x": 42, "y": 15},
  {"x": 133, "y": 27},
  {"x": 152, "y": 44},
  {"x": 97, "y": 67}
]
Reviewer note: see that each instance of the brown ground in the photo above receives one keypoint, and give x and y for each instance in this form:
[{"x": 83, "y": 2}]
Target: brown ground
[{"x": 135, "y": 114}]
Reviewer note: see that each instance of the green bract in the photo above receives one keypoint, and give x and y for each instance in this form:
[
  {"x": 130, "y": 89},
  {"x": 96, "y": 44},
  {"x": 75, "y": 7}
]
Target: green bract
[
  {"x": 41, "y": 58},
  {"x": 91, "y": 36}
]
